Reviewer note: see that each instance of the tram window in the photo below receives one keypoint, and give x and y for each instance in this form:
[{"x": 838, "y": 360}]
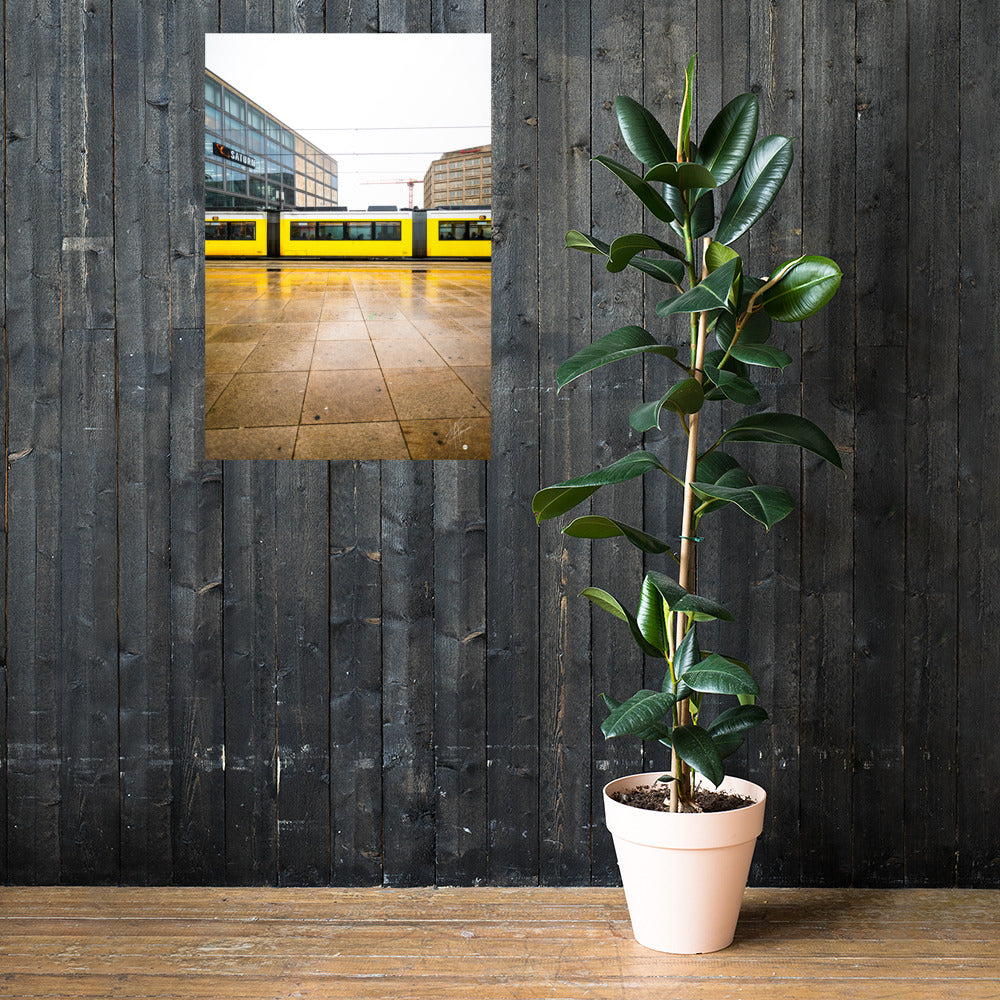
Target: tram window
[
  {"x": 215, "y": 230},
  {"x": 388, "y": 231},
  {"x": 359, "y": 230},
  {"x": 242, "y": 230},
  {"x": 331, "y": 230},
  {"x": 303, "y": 230},
  {"x": 480, "y": 231},
  {"x": 451, "y": 230}
]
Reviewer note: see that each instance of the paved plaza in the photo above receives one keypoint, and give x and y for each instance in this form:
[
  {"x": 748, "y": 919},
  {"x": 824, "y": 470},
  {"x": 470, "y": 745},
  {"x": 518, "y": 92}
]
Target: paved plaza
[{"x": 347, "y": 360}]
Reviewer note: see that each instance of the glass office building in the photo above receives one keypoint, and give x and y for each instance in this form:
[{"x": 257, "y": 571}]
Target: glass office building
[{"x": 255, "y": 161}]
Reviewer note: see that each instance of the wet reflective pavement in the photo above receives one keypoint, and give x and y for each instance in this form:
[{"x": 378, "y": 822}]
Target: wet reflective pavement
[{"x": 347, "y": 361}]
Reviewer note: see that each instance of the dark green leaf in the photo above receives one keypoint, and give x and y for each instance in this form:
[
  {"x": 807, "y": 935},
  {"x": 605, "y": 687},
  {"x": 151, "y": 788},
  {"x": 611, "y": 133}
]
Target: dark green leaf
[
  {"x": 679, "y": 599},
  {"x": 651, "y": 616},
  {"x": 764, "y": 355},
  {"x": 784, "y": 428},
  {"x": 728, "y": 139},
  {"x": 718, "y": 675},
  {"x": 734, "y": 387},
  {"x": 624, "y": 248},
  {"x": 767, "y": 504},
  {"x": 555, "y": 500},
  {"x": 713, "y": 467},
  {"x": 576, "y": 240},
  {"x": 756, "y": 330},
  {"x": 737, "y": 720},
  {"x": 684, "y": 397},
  {"x": 712, "y": 293},
  {"x": 625, "y": 342},
  {"x": 640, "y": 716},
  {"x": 695, "y": 746},
  {"x": 802, "y": 290},
  {"x": 668, "y": 271},
  {"x": 763, "y": 174},
  {"x": 728, "y": 745},
  {"x": 684, "y": 135},
  {"x": 687, "y": 655},
  {"x": 646, "y": 194},
  {"x": 686, "y": 176},
  {"x": 592, "y": 526},
  {"x": 643, "y": 134},
  {"x": 607, "y": 603},
  {"x": 718, "y": 254},
  {"x": 703, "y": 216}
]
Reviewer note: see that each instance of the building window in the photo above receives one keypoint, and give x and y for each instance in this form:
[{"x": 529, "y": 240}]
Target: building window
[
  {"x": 235, "y": 106},
  {"x": 213, "y": 92}
]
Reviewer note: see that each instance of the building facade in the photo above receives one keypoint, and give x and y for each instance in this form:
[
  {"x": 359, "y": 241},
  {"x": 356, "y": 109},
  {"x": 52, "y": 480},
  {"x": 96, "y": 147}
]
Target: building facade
[
  {"x": 461, "y": 177},
  {"x": 255, "y": 161}
]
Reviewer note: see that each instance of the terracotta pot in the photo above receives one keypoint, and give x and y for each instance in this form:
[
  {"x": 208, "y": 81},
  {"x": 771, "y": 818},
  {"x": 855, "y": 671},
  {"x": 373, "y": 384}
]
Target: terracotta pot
[{"x": 684, "y": 873}]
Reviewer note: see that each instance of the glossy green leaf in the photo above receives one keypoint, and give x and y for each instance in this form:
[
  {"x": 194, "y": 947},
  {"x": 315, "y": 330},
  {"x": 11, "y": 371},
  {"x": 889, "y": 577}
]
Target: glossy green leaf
[
  {"x": 767, "y": 504},
  {"x": 803, "y": 290},
  {"x": 684, "y": 397},
  {"x": 718, "y": 254},
  {"x": 756, "y": 330},
  {"x": 764, "y": 355},
  {"x": 784, "y": 428},
  {"x": 646, "y": 194},
  {"x": 718, "y": 675},
  {"x": 651, "y": 616},
  {"x": 625, "y": 342},
  {"x": 575, "y": 240},
  {"x": 679, "y": 599},
  {"x": 763, "y": 174},
  {"x": 608, "y": 603},
  {"x": 734, "y": 479},
  {"x": 694, "y": 746},
  {"x": 592, "y": 526},
  {"x": 734, "y": 387},
  {"x": 686, "y": 176},
  {"x": 684, "y": 133},
  {"x": 711, "y": 468},
  {"x": 703, "y": 216},
  {"x": 668, "y": 271},
  {"x": 711, "y": 293},
  {"x": 737, "y": 720},
  {"x": 728, "y": 139},
  {"x": 555, "y": 500},
  {"x": 641, "y": 715},
  {"x": 624, "y": 248},
  {"x": 642, "y": 133},
  {"x": 687, "y": 655},
  {"x": 728, "y": 745}
]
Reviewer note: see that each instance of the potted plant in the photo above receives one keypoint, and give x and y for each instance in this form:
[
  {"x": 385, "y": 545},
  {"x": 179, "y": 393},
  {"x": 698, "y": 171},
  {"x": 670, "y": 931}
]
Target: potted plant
[{"x": 687, "y": 852}]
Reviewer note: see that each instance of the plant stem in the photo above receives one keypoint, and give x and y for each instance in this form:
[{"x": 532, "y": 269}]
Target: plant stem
[{"x": 685, "y": 575}]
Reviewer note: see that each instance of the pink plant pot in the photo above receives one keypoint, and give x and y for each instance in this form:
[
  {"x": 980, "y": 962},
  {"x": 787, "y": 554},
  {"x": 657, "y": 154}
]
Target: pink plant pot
[{"x": 684, "y": 873}]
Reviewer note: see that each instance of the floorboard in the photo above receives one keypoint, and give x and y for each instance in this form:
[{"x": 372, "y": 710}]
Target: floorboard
[{"x": 491, "y": 943}]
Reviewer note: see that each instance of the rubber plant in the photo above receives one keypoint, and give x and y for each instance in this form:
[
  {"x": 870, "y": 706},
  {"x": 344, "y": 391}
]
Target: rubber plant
[{"x": 708, "y": 294}]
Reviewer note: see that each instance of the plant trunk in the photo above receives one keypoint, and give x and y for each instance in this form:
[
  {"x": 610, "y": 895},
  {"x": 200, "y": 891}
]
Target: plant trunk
[{"x": 680, "y": 786}]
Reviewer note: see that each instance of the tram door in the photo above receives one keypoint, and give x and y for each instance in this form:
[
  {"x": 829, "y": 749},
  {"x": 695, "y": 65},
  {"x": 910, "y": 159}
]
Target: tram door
[{"x": 273, "y": 233}]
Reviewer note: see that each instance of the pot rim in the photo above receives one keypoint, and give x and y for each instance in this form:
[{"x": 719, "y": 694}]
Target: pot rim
[{"x": 653, "y": 775}]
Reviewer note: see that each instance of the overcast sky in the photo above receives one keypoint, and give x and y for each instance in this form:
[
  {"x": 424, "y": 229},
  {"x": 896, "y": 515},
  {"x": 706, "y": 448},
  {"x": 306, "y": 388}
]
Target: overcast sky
[{"x": 383, "y": 105}]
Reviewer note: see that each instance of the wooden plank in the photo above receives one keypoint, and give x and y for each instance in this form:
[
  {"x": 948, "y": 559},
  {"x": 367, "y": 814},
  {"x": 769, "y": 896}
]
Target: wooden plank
[
  {"x": 4, "y": 760},
  {"x": 86, "y": 673},
  {"x": 460, "y": 627},
  {"x": 250, "y": 671},
  {"x": 300, "y": 15},
  {"x": 197, "y": 725},
  {"x": 979, "y": 492},
  {"x": 86, "y": 212},
  {"x": 932, "y": 419},
  {"x": 404, "y": 15},
  {"x": 346, "y": 15},
  {"x": 407, "y": 683},
  {"x": 827, "y": 498},
  {"x": 512, "y": 473},
  {"x": 565, "y": 441},
  {"x": 769, "y": 578},
  {"x": 880, "y": 438},
  {"x": 32, "y": 142},
  {"x": 303, "y": 673},
  {"x": 142, "y": 303},
  {"x": 460, "y": 672},
  {"x": 355, "y": 673},
  {"x": 616, "y": 300}
]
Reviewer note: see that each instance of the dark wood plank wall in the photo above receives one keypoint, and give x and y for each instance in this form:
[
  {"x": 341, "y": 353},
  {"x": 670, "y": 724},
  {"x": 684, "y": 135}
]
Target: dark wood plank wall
[{"x": 363, "y": 673}]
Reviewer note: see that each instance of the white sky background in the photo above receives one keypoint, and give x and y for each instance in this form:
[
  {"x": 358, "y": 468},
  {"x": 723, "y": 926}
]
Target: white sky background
[{"x": 395, "y": 95}]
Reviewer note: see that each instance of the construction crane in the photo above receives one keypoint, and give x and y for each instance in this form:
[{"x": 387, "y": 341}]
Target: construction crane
[{"x": 408, "y": 181}]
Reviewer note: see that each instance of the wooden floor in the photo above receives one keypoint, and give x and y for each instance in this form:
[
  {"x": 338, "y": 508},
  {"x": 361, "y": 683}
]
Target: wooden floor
[{"x": 481, "y": 944}]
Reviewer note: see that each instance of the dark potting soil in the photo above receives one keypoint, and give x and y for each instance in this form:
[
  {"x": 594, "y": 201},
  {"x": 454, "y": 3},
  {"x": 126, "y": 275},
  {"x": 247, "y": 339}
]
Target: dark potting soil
[{"x": 657, "y": 798}]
